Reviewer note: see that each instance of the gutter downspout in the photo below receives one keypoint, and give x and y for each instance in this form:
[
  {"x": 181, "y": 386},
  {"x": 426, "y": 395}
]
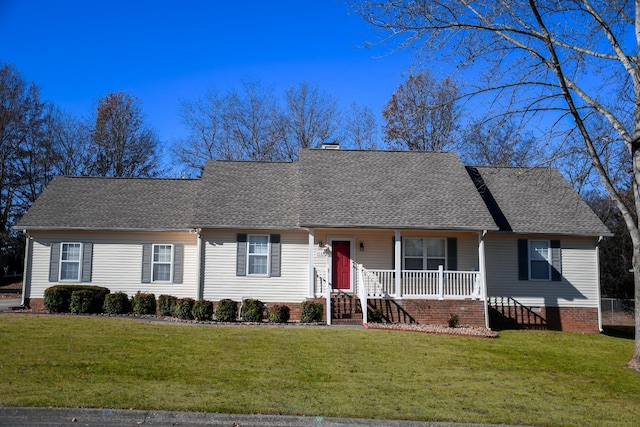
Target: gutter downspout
[
  {"x": 26, "y": 277},
  {"x": 598, "y": 283},
  {"x": 199, "y": 275},
  {"x": 483, "y": 275}
]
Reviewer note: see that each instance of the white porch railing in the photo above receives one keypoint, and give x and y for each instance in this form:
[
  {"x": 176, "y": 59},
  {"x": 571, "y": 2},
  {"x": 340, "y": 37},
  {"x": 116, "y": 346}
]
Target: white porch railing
[{"x": 436, "y": 284}]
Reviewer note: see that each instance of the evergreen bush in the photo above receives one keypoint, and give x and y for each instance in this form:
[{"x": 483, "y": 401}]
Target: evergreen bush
[
  {"x": 227, "y": 311},
  {"x": 167, "y": 305},
  {"x": 202, "y": 310},
  {"x": 252, "y": 310},
  {"x": 279, "y": 314},
  {"x": 184, "y": 309},
  {"x": 57, "y": 299},
  {"x": 116, "y": 303},
  {"x": 144, "y": 303},
  {"x": 311, "y": 312}
]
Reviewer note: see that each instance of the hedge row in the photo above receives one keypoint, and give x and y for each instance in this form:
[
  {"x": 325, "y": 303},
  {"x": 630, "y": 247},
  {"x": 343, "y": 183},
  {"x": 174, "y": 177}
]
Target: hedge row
[{"x": 81, "y": 299}]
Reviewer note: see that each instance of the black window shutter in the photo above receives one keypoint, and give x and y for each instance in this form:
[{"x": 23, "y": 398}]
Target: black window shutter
[
  {"x": 146, "y": 263},
  {"x": 275, "y": 255},
  {"x": 241, "y": 255},
  {"x": 178, "y": 256},
  {"x": 54, "y": 262},
  {"x": 556, "y": 261},
  {"x": 87, "y": 261},
  {"x": 393, "y": 252},
  {"x": 452, "y": 253},
  {"x": 523, "y": 259}
]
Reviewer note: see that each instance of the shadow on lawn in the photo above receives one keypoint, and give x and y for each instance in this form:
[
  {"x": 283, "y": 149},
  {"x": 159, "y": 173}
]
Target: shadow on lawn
[{"x": 626, "y": 332}]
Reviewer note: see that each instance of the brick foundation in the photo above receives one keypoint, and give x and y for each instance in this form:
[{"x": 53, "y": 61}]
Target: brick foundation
[
  {"x": 35, "y": 304},
  {"x": 469, "y": 312},
  {"x": 570, "y": 319},
  {"x": 427, "y": 311}
]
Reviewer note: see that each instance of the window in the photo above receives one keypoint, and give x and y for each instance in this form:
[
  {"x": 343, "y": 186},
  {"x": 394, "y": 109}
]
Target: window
[
  {"x": 539, "y": 260},
  {"x": 424, "y": 254},
  {"x": 258, "y": 255},
  {"x": 162, "y": 262},
  {"x": 70, "y": 261}
]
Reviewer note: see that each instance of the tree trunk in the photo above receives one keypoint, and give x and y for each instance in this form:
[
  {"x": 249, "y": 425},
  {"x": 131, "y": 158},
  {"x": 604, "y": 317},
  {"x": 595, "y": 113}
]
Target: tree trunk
[{"x": 635, "y": 359}]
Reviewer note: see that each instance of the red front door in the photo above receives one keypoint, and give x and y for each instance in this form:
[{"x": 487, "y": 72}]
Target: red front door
[{"x": 341, "y": 264}]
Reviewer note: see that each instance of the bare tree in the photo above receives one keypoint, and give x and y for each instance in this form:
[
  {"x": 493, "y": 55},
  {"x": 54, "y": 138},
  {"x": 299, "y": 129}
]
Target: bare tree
[
  {"x": 422, "y": 114},
  {"x": 360, "y": 128},
  {"x": 560, "y": 62},
  {"x": 24, "y": 162},
  {"x": 208, "y": 136},
  {"x": 70, "y": 140},
  {"x": 498, "y": 143},
  {"x": 250, "y": 120},
  {"x": 310, "y": 118},
  {"x": 122, "y": 146}
]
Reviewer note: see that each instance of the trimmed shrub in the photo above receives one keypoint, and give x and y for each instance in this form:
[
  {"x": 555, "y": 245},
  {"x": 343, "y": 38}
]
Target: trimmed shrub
[
  {"x": 81, "y": 301},
  {"x": 453, "y": 320},
  {"x": 227, "y": 311},
  {"x": 167, "y": 305},
  {"x": 184, "y": 309},
  {"x": 374, "y": 315},
  {"x": 144, "y": 303},
  {"x": 279, "y": 314},
  {"x": 202, "y": 310},
  {"x": 252, "y": 310},
  {"x": 311, "y": 312},
  {"x": 57, "y": 298},
  {"x": 117, "y": 303}
]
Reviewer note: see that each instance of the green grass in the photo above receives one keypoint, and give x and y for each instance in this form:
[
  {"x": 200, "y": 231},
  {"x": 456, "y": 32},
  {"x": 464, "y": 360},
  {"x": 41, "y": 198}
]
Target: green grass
[{"x": 523, "y": 377}]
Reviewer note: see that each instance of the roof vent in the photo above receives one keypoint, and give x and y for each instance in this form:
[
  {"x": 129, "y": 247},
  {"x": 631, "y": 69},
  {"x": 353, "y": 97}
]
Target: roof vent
[{"x": 331, "y": 146}]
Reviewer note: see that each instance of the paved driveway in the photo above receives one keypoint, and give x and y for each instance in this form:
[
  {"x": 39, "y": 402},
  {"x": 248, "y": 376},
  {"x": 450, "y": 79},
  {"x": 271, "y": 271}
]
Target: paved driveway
[{"x": 7, "y": 303}]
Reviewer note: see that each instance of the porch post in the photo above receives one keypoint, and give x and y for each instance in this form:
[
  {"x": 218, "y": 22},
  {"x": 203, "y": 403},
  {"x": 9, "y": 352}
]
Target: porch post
[
  {"x": 398, "y": 262},
  {"x": 482, "y": 275},
  {"x": 312, "y": 275}
]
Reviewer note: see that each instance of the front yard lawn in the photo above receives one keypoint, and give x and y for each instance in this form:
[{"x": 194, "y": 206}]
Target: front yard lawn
[{"x": 522, "y": 377}]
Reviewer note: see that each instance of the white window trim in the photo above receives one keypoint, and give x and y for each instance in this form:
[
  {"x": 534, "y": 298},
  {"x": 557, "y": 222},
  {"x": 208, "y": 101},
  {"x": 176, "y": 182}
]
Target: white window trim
[
  {"x": 67, "y": 262},
  {"x": 425, "y": 255},
  {"x": 529, "y": 260},
  {"x": 268, "y": 255},
  {"x": 153, "y": 262}
]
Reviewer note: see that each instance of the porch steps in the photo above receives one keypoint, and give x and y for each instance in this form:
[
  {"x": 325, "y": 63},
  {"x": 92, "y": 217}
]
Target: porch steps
[{"x": 345, "y": 309}]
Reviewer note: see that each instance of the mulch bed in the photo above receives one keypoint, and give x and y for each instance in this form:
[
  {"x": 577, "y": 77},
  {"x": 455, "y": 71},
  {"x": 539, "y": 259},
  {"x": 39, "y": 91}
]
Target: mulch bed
[{"x": 467, "y": 331}]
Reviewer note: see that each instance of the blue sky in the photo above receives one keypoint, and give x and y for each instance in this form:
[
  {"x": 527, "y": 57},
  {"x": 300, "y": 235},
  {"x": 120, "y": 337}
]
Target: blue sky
[{"x": 164, "y": 51}]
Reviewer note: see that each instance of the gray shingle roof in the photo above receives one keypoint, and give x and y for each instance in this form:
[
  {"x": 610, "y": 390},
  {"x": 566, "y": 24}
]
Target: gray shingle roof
[
  {"x": 536, "y": 200},
  {"x": 237, "y": 194},
  {"x": 389, "y": 189},
  {"x": 326, "y": 188},
  {"x": 112, "y": 203}
]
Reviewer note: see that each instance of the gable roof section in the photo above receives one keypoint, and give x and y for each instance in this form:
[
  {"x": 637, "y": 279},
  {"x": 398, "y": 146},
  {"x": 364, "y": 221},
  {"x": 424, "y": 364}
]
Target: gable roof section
[
  {"x": 388, "y": 189},
  {"x": 245, "y": 194},
  {"x": 92, "y": 203},
  {"x": 535, "y": 200}
]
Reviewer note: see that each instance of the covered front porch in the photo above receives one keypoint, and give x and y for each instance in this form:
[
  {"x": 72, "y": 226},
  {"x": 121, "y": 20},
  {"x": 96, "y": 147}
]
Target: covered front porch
[{"x": 423, "y": 269}]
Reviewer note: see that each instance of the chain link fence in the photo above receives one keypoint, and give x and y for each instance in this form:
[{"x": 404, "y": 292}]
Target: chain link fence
[{"x": 617, "y": 312}]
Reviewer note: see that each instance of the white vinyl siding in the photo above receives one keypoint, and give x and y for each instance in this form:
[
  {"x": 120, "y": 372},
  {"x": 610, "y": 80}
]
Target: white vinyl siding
[
  {"x": 221, "y": 281},
  {"x": 579, "y": 284},
  {"x": 117, "y": 261}
]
